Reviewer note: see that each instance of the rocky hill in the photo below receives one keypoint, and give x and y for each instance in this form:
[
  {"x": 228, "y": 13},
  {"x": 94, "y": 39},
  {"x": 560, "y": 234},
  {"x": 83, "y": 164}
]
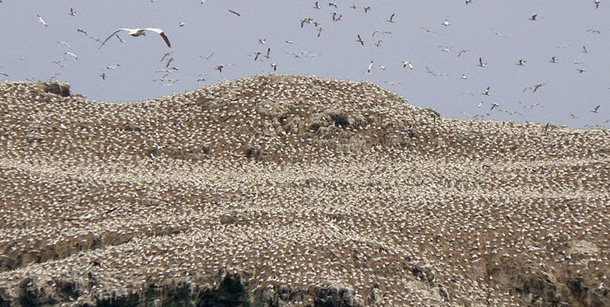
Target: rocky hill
[{"x": 294, "y": 190}]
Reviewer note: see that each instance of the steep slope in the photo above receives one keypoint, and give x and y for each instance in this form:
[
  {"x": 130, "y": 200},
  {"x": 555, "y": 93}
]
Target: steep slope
[{"x": 299, "y": 190}]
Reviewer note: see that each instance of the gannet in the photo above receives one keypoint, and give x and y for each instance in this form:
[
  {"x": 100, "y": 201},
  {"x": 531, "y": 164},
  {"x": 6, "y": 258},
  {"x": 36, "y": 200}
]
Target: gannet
[
  {"x": 71, "y": 54},
  {"x": 360, "y": 40},
  {"x": 138, "y": 32},
  {"x": 44, "y": 23},
  {"x": 486, "y": 92},
  {"x": 463, "y": 51}
]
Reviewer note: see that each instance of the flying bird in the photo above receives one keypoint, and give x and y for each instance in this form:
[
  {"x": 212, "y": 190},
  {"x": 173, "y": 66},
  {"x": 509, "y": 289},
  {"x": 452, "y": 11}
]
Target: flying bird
[
  {"x": 533, "y": 17},
  {"x": 391, "y": 19},
  {"x": 445, "y": 23},
  {"x": 595, "y": 109},
  {"x": 72, "y": 12},
  {"x": 381, "y": 31},
  {"x": 139, "y": 32},
  {"x": 534, "y": 87},
  {"x": 360, "y": 40},
  {"x": 71, "y": 54},
  {"x": 445, "y": 48},
  {"x": 463, "y": 51},
  {"x": 308, "y": 20},
  {"x": 256, "y": 55},
  {"x": 498, "y": 33},
  {"x": 481, "y": 64},
  {"x": 597, "y": 3},
  {"x": 169, "y": 61},
  {"x": 234, "y": 12},
  {"x": 521, "y": 62},
  {"x": 44, "y": 23},
  {"x": 207, "y": 57},
  {"x": 368, "y": 70},
  {"x": 486, "y": 92}
]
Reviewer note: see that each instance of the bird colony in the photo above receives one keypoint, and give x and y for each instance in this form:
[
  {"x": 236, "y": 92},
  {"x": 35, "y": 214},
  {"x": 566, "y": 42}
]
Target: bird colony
[{"x": 294, "y": 191}]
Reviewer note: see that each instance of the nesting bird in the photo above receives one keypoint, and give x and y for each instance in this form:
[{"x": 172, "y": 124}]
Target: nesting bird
[{"x": 299, "y": 189}]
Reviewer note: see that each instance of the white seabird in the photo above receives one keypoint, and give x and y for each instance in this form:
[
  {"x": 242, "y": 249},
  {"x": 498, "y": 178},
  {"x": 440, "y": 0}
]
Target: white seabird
[
  {"x": 391, "y": 19},
  {"x": 138, "y": 32},
  {"x": 360, "y": 40},
  {"x": 71, "y": 54},
  {"x": 44, "y": 23}
]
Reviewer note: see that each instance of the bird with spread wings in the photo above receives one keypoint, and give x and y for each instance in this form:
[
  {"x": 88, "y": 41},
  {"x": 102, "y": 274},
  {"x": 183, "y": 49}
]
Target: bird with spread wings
[{"x": 139, "y": 32}]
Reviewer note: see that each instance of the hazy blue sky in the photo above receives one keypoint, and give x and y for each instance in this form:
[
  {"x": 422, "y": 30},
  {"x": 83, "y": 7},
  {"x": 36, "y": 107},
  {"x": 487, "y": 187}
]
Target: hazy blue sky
[{"x": 499, "y": 32}]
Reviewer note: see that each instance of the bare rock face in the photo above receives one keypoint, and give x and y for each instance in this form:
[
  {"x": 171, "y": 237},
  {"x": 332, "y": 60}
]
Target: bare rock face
[
  {"x": 57, "y": 88},
  {"x": 294, "y": 191},
  {"x": 335, "y": 296},
  {"x": 538, "y": 287}
]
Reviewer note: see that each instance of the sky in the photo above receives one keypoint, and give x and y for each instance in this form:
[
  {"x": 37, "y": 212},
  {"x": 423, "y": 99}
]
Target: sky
[{"x": 207, "y": 35}]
